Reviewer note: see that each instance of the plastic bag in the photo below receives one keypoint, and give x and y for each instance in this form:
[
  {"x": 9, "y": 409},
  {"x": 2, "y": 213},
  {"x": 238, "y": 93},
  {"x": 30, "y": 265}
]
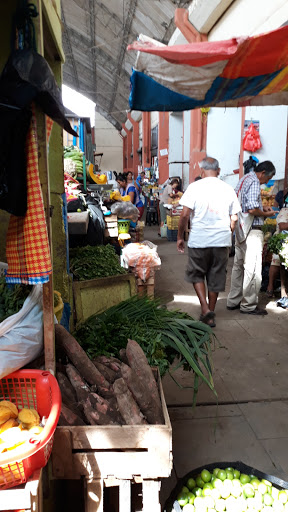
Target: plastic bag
[
  {"x": 251, "y": 141},
  {"x": 21, "y": 335},
  {"x": 143, "y": 258},
  {"x": 125, "y": 210}
]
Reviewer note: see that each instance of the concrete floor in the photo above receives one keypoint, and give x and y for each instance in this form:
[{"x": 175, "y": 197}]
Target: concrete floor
[{"x": 250, "y": 423}]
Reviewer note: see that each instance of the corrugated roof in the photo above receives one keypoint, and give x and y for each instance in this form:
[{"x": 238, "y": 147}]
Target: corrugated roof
[{"x": 95, "y": 38}]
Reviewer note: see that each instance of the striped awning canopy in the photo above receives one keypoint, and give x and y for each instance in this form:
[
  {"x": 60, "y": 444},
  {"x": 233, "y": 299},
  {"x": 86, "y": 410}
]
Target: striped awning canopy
[{"x": 231, "y": 73}]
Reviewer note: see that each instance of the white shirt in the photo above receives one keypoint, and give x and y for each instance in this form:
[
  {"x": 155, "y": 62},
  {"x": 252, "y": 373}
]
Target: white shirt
[{"x": 212, "y": 201}]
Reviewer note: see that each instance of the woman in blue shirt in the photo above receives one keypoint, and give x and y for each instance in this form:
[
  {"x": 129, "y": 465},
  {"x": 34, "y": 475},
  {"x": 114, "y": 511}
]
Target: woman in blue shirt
[{"x": 128, "y": 189}]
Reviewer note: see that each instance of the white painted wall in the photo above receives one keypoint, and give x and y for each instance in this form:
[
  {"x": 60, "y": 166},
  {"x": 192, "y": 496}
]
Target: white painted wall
[
  {"x": 175, "y": 137},
  {"x": 223, "y": 137},
  {"x": 109, "y": 142},
  {"x": 154, "y": 119},
  {"x": 186, "y": 147}
]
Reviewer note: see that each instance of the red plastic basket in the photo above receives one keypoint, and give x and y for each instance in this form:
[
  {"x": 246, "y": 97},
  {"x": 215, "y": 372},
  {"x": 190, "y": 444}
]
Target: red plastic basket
[{"x": 39, "y": 390}]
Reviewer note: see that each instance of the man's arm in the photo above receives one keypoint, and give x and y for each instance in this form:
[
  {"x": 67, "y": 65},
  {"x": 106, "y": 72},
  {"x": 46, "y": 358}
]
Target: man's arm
[
  {"x": 266, "y": 212},
  {"x": 233, "y": 220},
  {"x": 183, "y": 221}
]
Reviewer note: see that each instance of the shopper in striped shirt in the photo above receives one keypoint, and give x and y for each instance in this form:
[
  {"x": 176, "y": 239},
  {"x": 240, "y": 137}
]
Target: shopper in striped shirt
[{"x": 247, "y": 269}]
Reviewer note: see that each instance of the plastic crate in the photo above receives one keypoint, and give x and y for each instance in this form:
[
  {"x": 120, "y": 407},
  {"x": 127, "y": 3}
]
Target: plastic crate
[
  {"x": 31, "y": 389},
  {"x": 123, "y": 225},
  {"x": 172, "y": 222},
  {"x": 172, "y": 235}
]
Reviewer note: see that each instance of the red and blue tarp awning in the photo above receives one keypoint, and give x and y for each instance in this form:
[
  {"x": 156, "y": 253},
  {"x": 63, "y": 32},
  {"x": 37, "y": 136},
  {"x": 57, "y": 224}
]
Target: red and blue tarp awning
[{"x": 232, "y": 73}]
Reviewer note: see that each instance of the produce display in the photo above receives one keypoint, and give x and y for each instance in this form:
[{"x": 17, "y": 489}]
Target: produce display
[
  {"x": 107, "y": 390},
  {"x": 12, "y": 298},
  {"x": 17, "y": 427},
  {"x": 73, "y": 155},
  {"x": 92, "y": 262},
  {"x": 229, "y": 490},
  {"x": 163, "y": 335},
  {"x": 275, "y": 242}
]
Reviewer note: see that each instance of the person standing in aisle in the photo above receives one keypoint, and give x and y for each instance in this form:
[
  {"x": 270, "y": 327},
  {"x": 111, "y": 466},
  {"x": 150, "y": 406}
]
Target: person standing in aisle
[
  {"x": 212, "y": 207},
  {"x": 247, "y": 269}
]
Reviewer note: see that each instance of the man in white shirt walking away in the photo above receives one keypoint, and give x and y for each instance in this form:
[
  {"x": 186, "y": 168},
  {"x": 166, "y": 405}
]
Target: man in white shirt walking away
[{"x": 212, "y": 207}]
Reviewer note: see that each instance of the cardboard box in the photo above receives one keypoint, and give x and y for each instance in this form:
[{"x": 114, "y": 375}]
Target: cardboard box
[{"x": 111, "y": 232}]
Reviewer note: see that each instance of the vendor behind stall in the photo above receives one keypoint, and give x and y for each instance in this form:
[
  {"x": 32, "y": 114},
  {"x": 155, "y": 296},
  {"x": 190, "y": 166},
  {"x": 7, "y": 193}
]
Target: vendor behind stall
[
  {"x": 166, "y": 197},
  {"x": 128, "y": 189}
]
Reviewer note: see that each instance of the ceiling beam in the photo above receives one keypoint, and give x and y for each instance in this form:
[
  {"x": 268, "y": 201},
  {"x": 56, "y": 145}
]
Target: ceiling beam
[
  {"x": 120, "y": 58},
  {"x": 69, "y": 52}
]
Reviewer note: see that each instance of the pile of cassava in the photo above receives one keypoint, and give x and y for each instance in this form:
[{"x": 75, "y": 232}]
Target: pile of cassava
[{"x": 106, "y": 390}]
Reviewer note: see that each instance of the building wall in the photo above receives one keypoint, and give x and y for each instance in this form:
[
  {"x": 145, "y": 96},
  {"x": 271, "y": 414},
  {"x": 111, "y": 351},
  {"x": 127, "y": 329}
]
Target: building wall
[
  {"x": 186, "y": 147},
  {"x": 109, "y": 142}
]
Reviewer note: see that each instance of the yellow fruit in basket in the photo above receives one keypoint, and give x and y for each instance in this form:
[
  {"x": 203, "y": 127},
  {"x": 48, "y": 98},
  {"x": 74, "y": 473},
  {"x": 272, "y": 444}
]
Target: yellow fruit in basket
[
  {"x": 5, "y": 414},
  {"x": 3, "y": 447},
  {"x": 29, "y": 417},
  {"x": 36, "y": 430},
  {"x": 11, "y": 406},
  {"x": 8, "y": 424},
  {"x": 14, "y": 437}
]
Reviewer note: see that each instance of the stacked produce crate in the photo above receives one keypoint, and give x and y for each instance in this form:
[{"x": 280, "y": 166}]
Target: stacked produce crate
[
  {"x": 128, "y": 440},
  {"x": 172, "y": 226},
  {"x": 111, "y": 226}
]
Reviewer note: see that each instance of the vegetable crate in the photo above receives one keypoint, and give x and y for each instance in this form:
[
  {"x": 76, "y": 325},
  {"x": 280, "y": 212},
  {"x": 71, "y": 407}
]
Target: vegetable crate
[
  {"x": 96, "y": 295},
  {"x": 172, "y": 234},
  {"x": 172, "y": 222},
  {"x": 31, "y": 389},
  {"x": 117, "y": 455}
]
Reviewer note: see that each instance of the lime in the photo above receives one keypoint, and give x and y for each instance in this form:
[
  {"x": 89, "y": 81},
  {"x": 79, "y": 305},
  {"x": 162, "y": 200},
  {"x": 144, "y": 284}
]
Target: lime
[
  {"x": 266, "y": 482},
  {"x": 286, "y": 507},
  {"x": 217, "y": 484},
  {"x": 215, "y": 471},
  {"x": 249, "y": 491},
  {"x": 213, "y": 477},
  {"x": 262, "y": 488},
  {"x": 199, "y": 482},
  {"x": 268, "y": 500},
  {"x": 236, "y": 482},
  {"x": 250, "y": 503},
  {"x": 215, "y": 494},
  {"x": 182, "y": 499},
  {"x": 220, "y": 505},
  {"x": 184, "y": 489},
  {"x": 275, "y": 493},
  {"x": 236, "y": 473},
  {"x": 208, "y": 485},
  {"x": 206, "y": 492},
  {"x": 79, "y": 210},
  {"x": 283, "y": 497},
  {"x": 244, "y": 479},
  {"x": 229, "y": 469},
  {"x": 191, "y": 497},
  {"x": 225, "y": 492},
  {"x": 209, "y": 502},
  {"x": 236, "y": 491},
  {"x": 206, "y": 475},
  {"x": 229, "y": 475},
  {"x": 189, "y": 508},
  {"x": 221, "y": 474},
  {"x": 197, "y": 491},
  {"x": 191, "y": 483},
  {"x": 199, "y": 503},
  {"x": 255, "y": 482},
  {"x": 231, "y": 504}
]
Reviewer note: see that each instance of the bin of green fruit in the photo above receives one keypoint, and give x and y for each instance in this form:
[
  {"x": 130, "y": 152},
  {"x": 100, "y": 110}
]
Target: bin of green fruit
[{"x": 230, "y": 487}]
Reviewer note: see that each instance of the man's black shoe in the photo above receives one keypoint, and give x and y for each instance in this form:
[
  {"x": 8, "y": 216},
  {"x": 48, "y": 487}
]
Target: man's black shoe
[
  {"x": 231, "y": 308},
  {"x": 256, "y": 311}
]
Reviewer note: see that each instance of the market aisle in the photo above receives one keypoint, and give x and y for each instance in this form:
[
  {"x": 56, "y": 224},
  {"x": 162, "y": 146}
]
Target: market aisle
[{"x": 250, "y": 423}]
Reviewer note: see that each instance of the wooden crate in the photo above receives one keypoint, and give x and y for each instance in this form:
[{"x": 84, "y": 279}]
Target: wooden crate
[
  {"x": 26, "y": 497},
  {"x": 97, "y": 295},
  {"x": 123, "y": 452}
]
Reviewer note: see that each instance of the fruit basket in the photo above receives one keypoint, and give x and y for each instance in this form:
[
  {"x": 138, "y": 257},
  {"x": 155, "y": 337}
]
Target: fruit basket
[
  {"x": 32, "y": 389},
  {"x": 253, "y": 485}
]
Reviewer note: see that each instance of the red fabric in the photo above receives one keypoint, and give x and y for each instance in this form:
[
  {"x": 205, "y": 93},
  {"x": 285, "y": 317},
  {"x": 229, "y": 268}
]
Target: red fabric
[{"x": 141, "y": 211}]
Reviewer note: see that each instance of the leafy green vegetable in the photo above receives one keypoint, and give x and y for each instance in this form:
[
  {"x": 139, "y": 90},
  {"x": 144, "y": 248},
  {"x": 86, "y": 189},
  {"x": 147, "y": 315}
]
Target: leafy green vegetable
[
  {"x": 92, "y": 262},
  {"x": 12, "y": 298},
  {"x": 164, "y": 335},
  {"x": 274, "y": 244}
]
